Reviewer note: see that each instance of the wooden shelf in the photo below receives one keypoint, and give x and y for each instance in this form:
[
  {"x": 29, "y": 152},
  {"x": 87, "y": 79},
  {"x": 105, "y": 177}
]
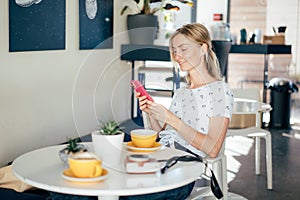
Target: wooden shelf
[
  {"x": 161, "y": 53},
  {"x": 261, "y": 49},
  {"x": 144, "y": 52}
]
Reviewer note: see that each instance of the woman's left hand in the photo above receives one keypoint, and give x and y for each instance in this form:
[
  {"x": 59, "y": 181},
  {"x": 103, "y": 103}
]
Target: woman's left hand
[{"x": 157, "y": 111}]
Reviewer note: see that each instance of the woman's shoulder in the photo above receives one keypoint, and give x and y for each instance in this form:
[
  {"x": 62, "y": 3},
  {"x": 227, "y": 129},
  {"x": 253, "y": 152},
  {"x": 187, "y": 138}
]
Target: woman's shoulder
[
  {"x": 222, "y": 83},
  {"x": 215, "y": 85},
  {"x": 182, "y": 89},
  {"x": 219, "y": 85},
  {"x": 222, "y": 88}
]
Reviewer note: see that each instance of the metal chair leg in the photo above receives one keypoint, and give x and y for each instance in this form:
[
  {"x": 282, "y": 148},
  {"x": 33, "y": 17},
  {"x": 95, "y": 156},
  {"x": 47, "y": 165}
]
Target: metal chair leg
[
  {"x": 224, "y": 178},
  {"x": 257, "y": 155},
  {"x": 269, "y": 161}
]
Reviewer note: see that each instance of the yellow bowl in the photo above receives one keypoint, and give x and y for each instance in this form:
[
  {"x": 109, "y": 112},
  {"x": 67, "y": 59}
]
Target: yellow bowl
[{"x": 143, "y": 138}]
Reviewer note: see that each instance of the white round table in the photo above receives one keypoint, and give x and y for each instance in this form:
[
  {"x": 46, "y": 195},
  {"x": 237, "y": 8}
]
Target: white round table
[{"x": 42, "y": 168}]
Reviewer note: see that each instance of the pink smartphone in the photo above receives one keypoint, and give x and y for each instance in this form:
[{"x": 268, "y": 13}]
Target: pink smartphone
[{"x": 140, "y": 88}]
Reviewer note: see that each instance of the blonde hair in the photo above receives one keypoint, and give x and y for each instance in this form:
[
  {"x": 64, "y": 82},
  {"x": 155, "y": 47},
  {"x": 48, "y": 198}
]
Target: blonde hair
[{"x": 199, "y": 34}]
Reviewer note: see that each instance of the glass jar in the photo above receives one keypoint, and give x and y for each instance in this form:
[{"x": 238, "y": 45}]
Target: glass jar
[{"x": 220, "y": 31}]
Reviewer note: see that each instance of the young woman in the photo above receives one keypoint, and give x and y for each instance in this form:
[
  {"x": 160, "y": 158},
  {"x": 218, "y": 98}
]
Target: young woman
[{"x": 201, "y": 111}]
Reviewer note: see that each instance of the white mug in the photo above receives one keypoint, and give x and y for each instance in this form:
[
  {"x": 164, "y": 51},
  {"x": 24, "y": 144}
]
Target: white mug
[{"x": 257, "y": 33}]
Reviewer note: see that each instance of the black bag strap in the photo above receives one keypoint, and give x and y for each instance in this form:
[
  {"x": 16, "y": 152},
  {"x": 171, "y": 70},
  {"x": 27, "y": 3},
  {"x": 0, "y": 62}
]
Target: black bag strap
[{"x": 214, "y": 185}]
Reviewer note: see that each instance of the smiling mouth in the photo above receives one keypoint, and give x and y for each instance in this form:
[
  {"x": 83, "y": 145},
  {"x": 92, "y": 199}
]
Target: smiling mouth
[{"x": 180, "y": 62}]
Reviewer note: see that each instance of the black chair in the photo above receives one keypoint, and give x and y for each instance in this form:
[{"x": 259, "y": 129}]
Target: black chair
[{"x": 221, "y": 49}]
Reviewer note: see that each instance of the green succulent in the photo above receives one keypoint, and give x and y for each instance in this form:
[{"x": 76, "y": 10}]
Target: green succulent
[
  {"x": 149, "y": 7},
  {"x": 110, "y": 128},
  {"x": 74, "y": 147}
]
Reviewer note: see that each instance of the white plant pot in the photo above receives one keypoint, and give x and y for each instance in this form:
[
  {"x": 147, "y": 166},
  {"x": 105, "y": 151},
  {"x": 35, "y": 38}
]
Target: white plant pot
[{"x": 108, "y": 148}]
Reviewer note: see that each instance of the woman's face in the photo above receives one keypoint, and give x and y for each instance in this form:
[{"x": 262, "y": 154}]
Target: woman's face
[{"x": 186, "y": 53}]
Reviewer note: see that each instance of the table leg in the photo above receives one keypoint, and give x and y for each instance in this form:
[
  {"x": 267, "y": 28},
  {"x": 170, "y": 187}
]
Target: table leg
[
  {"x": 265, "y": 78},
  {"x": 108, "y": 197}
]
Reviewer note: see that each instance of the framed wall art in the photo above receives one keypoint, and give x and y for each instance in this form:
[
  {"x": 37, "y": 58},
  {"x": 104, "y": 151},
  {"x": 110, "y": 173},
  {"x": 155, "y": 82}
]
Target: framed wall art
[
  {"x": 95, "y": 24},
  {"x": 36, "y": 25}
]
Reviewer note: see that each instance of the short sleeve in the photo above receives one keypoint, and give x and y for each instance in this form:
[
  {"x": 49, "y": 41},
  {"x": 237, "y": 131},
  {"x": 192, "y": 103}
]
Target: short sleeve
[{"x": 222, "y": 100}]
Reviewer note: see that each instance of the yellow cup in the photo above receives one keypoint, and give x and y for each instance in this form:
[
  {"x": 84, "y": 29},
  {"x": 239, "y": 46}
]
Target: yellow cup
[
  {"x": 143, "y": 138},
  {"x": 84, "y": 165}
]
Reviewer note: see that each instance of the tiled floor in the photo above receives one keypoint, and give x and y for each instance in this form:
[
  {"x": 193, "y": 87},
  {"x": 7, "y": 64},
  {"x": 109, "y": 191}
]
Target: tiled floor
[{"x": 286, "y": 162}]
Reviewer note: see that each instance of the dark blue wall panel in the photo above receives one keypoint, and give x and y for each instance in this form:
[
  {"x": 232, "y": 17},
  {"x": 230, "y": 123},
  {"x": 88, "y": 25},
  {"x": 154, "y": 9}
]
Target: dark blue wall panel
[
  {"x": 96, "y": 33},
  {"x": 37, "y": 27}
]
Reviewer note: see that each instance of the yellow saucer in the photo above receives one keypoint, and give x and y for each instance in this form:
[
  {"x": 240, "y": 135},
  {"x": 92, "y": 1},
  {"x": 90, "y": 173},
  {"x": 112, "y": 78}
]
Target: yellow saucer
[
  {"x": 68, "y": 175},
  {"x": 131, "y": 147}
]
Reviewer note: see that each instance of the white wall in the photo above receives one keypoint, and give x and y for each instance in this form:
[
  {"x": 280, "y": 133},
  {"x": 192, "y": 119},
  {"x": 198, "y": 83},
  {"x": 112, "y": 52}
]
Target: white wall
[
  {"x": 206, "y": 9},
  {"x": 44, "y": 94}
]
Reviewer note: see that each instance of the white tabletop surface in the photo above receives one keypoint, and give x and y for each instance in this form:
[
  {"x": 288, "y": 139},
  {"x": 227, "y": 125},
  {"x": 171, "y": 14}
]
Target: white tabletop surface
[
  {"x": 247, "y": 106},
  {"x": 42, "y": 168}
]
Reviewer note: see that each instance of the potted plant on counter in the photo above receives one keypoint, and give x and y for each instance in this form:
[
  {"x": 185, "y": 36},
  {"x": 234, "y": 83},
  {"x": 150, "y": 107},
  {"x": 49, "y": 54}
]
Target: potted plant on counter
[
  {"x": 108, "y": 142},
  {"x": 142, "y": 24}
]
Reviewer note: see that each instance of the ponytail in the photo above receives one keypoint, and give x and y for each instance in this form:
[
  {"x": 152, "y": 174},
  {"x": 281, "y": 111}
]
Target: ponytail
[{"x": 213, "y": 66}]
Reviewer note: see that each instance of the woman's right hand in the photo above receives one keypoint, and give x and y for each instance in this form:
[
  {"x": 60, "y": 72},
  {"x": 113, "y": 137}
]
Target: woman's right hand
[{"x": 143, "y": 102}]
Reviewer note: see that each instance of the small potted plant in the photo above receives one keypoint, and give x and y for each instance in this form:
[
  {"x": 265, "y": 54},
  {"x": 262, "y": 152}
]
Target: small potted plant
[
  {"x": 110, "y": 128},
  {"x": 150, "y": 7},
  {"x": 71, "y": 148},
  {"x": 108, "y": 141},
  {"x": 142, "y": 24}
]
